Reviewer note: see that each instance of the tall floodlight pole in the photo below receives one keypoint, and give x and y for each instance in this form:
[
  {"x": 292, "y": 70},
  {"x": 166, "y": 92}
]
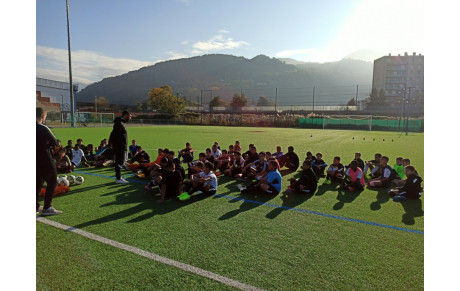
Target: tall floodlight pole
[{"x": 72, "y": 105}]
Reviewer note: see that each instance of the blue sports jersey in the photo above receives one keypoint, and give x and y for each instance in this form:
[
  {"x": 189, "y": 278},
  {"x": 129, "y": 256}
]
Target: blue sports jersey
[{"x": 274, "y": 179}]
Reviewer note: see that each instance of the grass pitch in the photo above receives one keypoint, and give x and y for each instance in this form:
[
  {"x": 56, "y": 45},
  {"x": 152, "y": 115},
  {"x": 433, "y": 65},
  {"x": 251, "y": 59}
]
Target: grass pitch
[{"x": 264, "y": 245}]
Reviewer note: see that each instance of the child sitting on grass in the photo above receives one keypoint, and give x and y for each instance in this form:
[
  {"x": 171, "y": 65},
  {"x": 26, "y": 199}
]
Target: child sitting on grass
[
  {"x": 179, "y": 168},
  {"x": 335, "y": 171},
  {"x": 140, "y": 156},
  {"x": 318, "y": 165},
  {"x": 270, "y": 184},
  {"x": 354, "y": 179},
  {"x": 237, "y": 146},
  {"x": 209, "y": 157},
  {"x": 401, "y": 182},
  {"x": 257, "y": 168},
  {"x": 399, "y": 168},
  {"x": 215, "y": 152},
  {"x": 290, "y": 160},
  {"x": 412, "y": 188},
  {"x": 388, "y": 174},
  {"x": 310, "y": 157},
  {"x": 278, "y": 154},
  {"x": 89, "y": 152},
  {"x": 358, "y": 160},
  {"x": 186, "y": 154},
  {"x": 63, "y": 164},
  {"x": 374, "y": 166},
  {"x": 171, "y": 183},
  {"x": 237, "y": 167},
  {"x": 196, "y": 166},
  {"x": 307, "y": 182},
  {"x": 223, "y": 162},
  {"x": 205, "y": 182},
  {"x": 156, "y": 173},
  {"x": 78, "y": 156}
]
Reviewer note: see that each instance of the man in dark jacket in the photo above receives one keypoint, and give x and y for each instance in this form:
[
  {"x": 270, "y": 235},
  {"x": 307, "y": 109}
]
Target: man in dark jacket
[
  {"x": 46, "y": 167},
  {"x": 119, "y": 142}
]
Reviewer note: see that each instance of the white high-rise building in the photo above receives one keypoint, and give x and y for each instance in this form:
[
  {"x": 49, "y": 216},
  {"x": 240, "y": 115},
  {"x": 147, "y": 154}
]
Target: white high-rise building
[{"x": 401, "y": 77}]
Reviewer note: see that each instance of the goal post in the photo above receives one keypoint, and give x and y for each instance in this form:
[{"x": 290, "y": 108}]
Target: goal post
[
  {"x": 347, "y": 122},
  {"x": 89, "y": 118}
]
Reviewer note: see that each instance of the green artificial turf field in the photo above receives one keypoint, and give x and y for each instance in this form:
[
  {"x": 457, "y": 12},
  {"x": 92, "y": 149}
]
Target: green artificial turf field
[{"x": 331, "y": 240}]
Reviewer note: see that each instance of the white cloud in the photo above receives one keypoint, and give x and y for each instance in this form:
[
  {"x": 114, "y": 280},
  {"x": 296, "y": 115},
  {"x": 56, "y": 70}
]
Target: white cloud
[
  {"x": 87, "y": 66},
  {"x": 224, "y": 31},
  {"x": 174, "y": 55},
  {"x": 217, "y": 43}
]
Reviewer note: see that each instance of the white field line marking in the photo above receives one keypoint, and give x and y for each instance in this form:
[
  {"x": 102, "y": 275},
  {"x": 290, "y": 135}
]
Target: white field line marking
[{"x": 152, "y": 256}]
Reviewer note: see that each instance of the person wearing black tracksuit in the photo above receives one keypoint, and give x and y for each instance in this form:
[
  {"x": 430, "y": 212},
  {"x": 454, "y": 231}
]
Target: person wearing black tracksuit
[
  {"x": 45, "y": 167},
  {"x": 119, "y": 142}
]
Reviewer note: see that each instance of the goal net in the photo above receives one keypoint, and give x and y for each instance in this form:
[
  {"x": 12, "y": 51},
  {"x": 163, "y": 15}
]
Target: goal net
[
  {"x": 89, "y": 118},
  {"x": 347, "y": 122}
]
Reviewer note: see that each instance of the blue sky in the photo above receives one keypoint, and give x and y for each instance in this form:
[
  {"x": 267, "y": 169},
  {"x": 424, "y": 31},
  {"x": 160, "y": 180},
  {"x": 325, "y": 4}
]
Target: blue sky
[{"x": 110, "y": 38}]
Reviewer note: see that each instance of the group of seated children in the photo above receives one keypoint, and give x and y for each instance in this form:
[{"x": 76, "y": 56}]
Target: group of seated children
[
  {"x": 70, "y": 157},
  {"x": 352, "y": 176},
  {"x": 264, "y": 169}
]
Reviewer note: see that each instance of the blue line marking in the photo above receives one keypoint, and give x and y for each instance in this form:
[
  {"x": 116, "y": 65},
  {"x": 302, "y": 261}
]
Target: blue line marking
[
  {"x": 319, "y": 213},
  {"x": 281, "y": 206}
]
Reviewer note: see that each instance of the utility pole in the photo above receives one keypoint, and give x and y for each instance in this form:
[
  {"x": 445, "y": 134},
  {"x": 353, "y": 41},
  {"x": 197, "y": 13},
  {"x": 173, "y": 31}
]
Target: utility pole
[
  {"x": 72, "y": 105},
  {"x": 313, "y": 99},
  {"x": 276, "y": 98},
  {"x": 356, "y": 96},
  {"x": 201, "y": 107},
  {"x": 95, "y": 104}
]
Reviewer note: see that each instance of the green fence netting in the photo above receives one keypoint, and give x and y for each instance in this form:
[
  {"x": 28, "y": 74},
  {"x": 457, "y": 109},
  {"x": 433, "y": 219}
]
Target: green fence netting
[{"x": 377, "y": 124}]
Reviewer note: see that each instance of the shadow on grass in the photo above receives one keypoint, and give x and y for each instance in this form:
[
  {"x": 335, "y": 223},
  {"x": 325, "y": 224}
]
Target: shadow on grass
[
  {"x": 78, "y": 189},
  {"x": 231, "y": 187},
  {"x": 145, "y": 201},
  {"x": 323, "y": 188},
  {"x": 246, "y": 205},
  {"x": 287, "y": 171},
  {"x": 345, "y": 196},
  {"x": 290, "y": 200},
  {"x": 412, "y": 208},
  {"x": 382, "y": 197}
]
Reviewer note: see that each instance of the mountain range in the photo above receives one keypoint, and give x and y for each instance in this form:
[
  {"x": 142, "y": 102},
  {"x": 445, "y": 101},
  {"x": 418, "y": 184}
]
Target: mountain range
[{"x": 225, "y": 75}]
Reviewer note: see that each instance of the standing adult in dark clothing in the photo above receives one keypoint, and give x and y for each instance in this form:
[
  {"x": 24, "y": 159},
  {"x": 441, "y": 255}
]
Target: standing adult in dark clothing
[
  {"x": 45, "y": 168},
  {"x": 119, "y": 142}
]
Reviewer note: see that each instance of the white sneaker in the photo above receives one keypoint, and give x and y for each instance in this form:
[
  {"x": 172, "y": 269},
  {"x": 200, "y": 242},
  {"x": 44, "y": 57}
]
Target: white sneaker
[
  {"x": 241, "y": 187},
  {"x": 50, "y": 211},
  {"x": 121, "y": 181}
]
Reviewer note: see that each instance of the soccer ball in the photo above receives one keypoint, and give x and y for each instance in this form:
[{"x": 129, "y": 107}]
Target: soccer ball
[
  {"x": 62, "y": 176},
  {"x": 79, "y": 180},
  {"x": 62, "y": 181},
  {"x": 71, "y": 179}
]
